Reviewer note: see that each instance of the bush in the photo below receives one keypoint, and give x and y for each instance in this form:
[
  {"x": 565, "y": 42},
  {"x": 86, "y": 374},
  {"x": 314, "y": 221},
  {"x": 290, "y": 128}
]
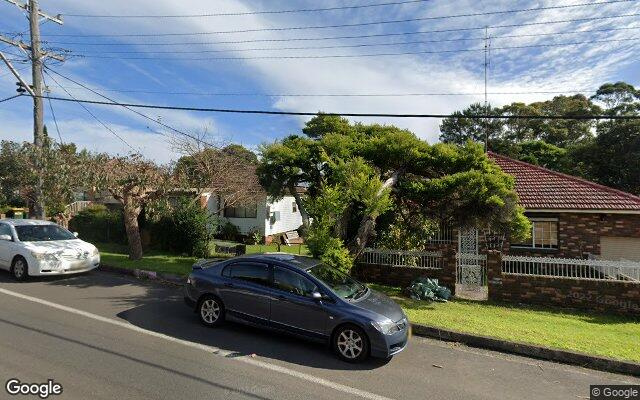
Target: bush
[
  {"x": 99, "y": 224},
  {"x": 229, "y": 231},
  {"x": 254, "y": 236},
  {"x": 185, "y": 228},
  {"x": 328, "y": 248}
]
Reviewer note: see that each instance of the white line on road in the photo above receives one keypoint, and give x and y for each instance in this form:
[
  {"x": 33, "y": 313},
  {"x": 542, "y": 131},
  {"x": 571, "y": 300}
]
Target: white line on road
[{"x": 211, "y": 349}]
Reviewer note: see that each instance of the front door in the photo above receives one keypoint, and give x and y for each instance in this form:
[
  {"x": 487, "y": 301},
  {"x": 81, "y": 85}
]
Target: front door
[
  {"x": 246, "y": 293},
  {"x": 293, "y": 307}
]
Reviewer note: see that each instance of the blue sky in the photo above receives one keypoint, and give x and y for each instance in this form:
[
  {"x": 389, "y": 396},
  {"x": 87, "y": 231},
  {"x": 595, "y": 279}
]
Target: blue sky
[{"x": 562, "y": 68}]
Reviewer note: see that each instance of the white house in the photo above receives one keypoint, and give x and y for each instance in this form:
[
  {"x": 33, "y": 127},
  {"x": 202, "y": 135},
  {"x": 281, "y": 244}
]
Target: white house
[{"x": 268, "y": 217}]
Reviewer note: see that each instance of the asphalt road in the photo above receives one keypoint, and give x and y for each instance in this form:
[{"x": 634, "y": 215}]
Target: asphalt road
[{"x": 103, "y": 336}]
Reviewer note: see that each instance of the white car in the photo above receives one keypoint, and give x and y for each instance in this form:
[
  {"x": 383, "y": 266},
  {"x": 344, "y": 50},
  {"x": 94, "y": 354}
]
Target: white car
[{"x": 37, "y": 248}]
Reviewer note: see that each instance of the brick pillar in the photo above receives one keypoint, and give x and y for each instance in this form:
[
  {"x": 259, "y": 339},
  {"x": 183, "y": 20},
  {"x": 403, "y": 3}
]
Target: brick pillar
[
  {"x": 494, "y": 274},
  {"x": 448, "y": 277}
]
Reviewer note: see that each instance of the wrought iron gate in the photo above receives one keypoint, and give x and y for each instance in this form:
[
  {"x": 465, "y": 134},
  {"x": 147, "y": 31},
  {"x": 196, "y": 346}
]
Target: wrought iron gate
[{"x": 471, "y": 267}]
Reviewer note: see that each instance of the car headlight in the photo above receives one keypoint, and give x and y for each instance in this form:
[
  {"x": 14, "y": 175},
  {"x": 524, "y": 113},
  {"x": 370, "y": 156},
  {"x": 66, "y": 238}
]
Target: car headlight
[
  {"x": 95, "y": 252},
  {"x": 386, "y": 327},
  {"x": 50, "y": 257}
]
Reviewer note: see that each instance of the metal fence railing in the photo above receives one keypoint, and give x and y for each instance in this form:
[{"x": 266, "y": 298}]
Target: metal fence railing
[
  {"x": 400, "y": 258},
  {"x": 625, "y": 271}
]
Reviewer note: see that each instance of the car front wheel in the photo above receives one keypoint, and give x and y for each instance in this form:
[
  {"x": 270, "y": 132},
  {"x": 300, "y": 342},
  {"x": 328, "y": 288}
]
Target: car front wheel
[
  {"x": 19, "y": 269},
  {"x": 351, "y": 344},
  {"x": 211, "y": 311}
]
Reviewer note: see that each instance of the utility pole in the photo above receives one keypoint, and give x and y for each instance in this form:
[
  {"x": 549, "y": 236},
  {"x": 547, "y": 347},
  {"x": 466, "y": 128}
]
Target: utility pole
[{"x": 37, "y": 57}]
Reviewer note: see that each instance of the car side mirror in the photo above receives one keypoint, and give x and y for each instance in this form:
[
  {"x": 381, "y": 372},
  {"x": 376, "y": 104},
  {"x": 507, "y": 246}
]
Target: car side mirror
[
  {"x": 8, "y": 238},
  {"x": 316, "y": 296},
  {"x": 75, "y": 234}
]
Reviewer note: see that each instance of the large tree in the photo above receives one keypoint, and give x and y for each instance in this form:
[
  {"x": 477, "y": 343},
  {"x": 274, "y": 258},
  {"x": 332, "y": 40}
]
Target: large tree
[
  {"x": 355, "y": 175},
  {"x": 134, "y": 182}
]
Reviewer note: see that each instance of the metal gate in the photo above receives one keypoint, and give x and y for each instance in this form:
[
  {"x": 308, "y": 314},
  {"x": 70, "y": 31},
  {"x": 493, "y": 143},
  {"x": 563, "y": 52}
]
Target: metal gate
[{"x": 471, "y": 267}]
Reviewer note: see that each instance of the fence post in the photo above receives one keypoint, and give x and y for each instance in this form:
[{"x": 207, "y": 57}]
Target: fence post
[
  {"x": 448, "y": 277},
  {"x": 494, "y": 273}
]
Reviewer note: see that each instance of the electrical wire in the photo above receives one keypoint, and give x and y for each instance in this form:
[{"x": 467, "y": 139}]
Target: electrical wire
[
  {"x": 350, "y": 114},
  {"x": 476, "y": 14},
  {"x": 240, "y": 13},
  {"x": 53, "y": 114},
  {"x": 230, "y": 94},
  {"x": 316, "y": 57},
  {"x": 296, "y": 28},
  {"x": 82, "y": 104},
  {"x": 11, "y": 98},
  {"x": 342, "y": 37}
]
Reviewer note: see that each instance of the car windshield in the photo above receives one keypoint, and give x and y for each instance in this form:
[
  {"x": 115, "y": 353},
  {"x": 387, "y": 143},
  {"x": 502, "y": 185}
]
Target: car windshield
[
  {"x": 342, "y": 284},
  {"x": 42, "y": 233}
]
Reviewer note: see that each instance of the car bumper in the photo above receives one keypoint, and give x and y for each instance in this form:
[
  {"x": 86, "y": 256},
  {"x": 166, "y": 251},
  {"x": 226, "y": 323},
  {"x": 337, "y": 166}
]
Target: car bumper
[
  {"x": 65, "y": 267},
  {"x": 385, "y": 346},
  {"x": 189, "y": 297}
]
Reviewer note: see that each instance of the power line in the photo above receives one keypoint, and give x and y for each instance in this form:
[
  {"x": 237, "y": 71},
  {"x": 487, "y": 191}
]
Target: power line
[
  {"x": 53, "y": 114},
  {"x": 315, "y": 57},
  {"x": 11, "y": 98},
  {"x": 348, "y": 114},
  {"x": 114, "y": 102},
  {"x": 239, "y": 94},
  {"x": 240, "y": 13},
  {"x": 351, "y": 25},
  {"x": 82, "y": 104},
  {"x": 343, "y": 37}
]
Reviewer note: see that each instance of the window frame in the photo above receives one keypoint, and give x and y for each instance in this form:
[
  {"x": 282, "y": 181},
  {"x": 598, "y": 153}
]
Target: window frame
[
  {"x": 533, "y": 244},
  {"x": 226, "y": 273},
  {"x": 273, "y": 281},
  {"x": 294, "y": 207},
  {"x": 253, "y": 208}
]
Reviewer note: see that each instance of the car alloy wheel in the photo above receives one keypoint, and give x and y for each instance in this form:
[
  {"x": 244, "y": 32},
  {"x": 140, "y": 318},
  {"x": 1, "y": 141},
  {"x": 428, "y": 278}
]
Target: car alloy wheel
[
  {"x": 19, "y": 269},
  {"x": 351, "y": 344},
  {"x": 210, "y": 311}
]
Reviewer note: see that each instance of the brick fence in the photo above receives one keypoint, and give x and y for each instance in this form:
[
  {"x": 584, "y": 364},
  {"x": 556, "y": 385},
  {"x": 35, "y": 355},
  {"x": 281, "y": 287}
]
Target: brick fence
[
  {"x": 594, "y": 295},
  {"x": 402, "y": 276}
]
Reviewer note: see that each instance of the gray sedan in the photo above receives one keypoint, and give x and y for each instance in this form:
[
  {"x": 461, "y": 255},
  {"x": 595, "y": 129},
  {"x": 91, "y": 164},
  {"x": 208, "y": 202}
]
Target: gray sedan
[{"x": 301, "y": 296}]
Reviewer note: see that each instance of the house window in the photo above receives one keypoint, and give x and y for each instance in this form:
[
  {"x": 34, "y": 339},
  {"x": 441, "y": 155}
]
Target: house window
[
  {"x": 294, "y": 207},
  {"x": 544, "y": 234},
  {"x": 241, "y": 212}
]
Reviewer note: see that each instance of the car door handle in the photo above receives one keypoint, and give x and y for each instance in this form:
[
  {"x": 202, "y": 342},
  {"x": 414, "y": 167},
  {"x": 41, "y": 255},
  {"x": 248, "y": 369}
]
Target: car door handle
[{"x": 228, "y": 284}]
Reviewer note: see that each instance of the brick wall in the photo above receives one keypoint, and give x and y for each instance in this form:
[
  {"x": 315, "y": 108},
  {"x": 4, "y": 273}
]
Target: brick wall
[
  {"x": 579, "y": 233},
  {"x": 592, "y": 295},
  {"x": 402, "y": 276}
]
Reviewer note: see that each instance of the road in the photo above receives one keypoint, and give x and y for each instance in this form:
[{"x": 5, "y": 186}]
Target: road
[{"x": 103, "y": 336}]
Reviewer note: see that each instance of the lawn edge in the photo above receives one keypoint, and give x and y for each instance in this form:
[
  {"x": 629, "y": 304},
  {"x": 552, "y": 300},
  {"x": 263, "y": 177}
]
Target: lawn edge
[
  {"x": 529, "y": 350},
  {"x": 446, "y": 335}
]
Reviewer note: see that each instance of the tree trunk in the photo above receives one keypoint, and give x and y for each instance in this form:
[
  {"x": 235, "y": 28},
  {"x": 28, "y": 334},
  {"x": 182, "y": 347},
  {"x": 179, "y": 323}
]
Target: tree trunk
[
  {"x": 303, "y": 211},
  {"x": 131, "y": 213},
  {"x": 368, "y": 222}
]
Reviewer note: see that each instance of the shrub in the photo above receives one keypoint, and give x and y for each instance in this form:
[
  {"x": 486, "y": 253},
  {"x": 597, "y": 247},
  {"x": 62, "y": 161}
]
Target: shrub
[
  {"x": 330, "y": 249},
  {"x": 99, "y": 224},
  {"x": 229, "y": 231},
  {"x": 255, "y": 236},
  {"x": 184, "y": 228}
]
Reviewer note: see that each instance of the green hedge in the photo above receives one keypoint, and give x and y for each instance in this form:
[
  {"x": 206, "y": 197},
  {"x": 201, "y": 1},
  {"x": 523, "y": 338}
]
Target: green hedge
[{"x": 99, "y": 224}]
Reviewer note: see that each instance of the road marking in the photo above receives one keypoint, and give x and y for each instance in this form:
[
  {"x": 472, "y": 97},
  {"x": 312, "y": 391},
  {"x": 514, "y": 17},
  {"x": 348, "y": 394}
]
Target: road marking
[{"x": 211, "y": 349}]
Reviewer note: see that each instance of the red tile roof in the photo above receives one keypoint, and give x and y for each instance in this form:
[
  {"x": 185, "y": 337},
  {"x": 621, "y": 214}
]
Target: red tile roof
[{"x": 541, "y": 188}]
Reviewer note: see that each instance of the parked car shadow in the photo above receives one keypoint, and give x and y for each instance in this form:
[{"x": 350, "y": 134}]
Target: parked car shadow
[{"x": 161, "y": 309}]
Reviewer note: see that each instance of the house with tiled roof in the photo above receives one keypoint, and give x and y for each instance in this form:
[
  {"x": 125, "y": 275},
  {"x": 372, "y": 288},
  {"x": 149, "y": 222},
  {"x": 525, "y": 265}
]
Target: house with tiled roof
[{"x": 573, "y": 217}]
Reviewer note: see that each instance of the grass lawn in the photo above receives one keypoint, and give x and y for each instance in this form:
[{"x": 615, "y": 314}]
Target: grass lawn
[
  {"x": 117, "y": 256},
  {"x": 596, "y": 334}
]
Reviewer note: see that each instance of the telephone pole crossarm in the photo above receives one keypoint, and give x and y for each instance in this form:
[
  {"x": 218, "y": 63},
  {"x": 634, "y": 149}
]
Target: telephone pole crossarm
[{"x": 57, "y": 19}]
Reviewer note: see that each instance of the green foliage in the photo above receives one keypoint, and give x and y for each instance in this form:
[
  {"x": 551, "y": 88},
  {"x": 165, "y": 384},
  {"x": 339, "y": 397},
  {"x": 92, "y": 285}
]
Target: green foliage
[
  {"x": 228, "y": 231},
  {"x": 185, "y": 228},
  {"x": 323, "y": 244},
  {"x": 255, "y": 236},
  {"x": 99, "y": 224}
]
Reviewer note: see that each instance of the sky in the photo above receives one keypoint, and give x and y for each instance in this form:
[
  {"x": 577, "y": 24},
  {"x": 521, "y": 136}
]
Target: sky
[{"x": 153, "y": 69}]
